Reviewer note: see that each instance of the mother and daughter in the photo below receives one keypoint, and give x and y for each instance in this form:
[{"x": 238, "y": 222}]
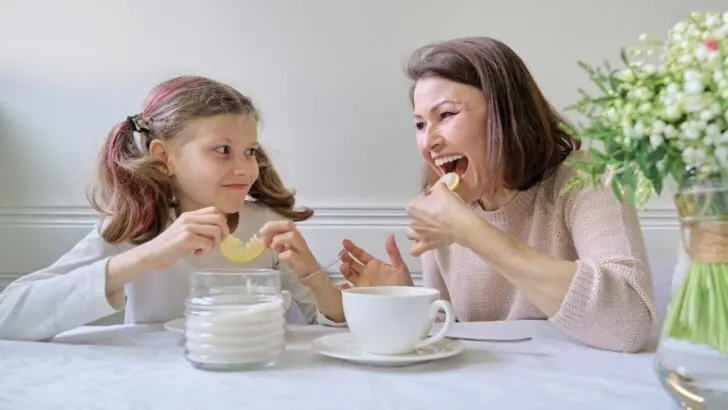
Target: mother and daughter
[{"x": 173, "y": 182}]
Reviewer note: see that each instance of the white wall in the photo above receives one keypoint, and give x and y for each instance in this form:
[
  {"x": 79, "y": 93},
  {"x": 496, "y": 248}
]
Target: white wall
[{"x": 327, "y": 75}]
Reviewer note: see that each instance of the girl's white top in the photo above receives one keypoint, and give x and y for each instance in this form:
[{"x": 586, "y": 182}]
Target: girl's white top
[{"x": 71, "y": 292}]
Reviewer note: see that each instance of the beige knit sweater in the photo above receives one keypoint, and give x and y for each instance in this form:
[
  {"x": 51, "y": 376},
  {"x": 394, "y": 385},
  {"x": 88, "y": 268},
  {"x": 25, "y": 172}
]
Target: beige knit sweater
[{"x": 609, "y": 304}]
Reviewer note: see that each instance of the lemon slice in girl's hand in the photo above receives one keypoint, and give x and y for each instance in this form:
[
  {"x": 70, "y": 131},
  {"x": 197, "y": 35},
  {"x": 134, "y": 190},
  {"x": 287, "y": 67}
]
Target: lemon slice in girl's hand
[
  {"x": 236, "y": 251},
  {"x": 451, "y": 180}
]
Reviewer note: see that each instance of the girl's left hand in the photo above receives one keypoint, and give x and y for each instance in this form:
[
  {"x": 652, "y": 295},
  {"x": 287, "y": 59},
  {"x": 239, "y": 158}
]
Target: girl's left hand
[
  {"x": 435, "y": 219},
  {"x": 285, "y": 240}
]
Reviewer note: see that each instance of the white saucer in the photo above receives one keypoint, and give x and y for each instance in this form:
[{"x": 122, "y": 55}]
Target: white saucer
[
  {"x": 176, "y": 325},
  {"x": 344, "y": 346}
]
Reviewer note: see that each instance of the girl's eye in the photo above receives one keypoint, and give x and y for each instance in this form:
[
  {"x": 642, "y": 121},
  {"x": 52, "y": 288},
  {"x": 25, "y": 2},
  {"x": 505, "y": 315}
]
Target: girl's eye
[
  {"x": 223, "y": 149},
  {"x": 252, "y": 151}
]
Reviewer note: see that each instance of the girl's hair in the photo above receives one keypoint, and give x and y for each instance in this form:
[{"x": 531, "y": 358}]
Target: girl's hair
[
  {"x": 524, "y": 141},
  {"x": 135, "y": 192}
]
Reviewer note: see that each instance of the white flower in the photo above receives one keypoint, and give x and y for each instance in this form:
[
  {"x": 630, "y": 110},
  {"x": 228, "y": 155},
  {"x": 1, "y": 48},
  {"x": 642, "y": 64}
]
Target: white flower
[
  {"x": 680, "y": 26},
  {"x": 685, "y": 59},
  {"x": 645, "y": 107},
  {"x": 639, "y": 128},
  {"x": 722, "y": 154},
  {"x": 691, "y": 75},
  {"x": 672, "y": 89},
  {"x": 650, "y": 68},
  {"x": 721, "y": 31},
  {"x": 690, "y": 130},
  {"x": 655, "y": 140},
  {"x": 643, "y": 37},
  {"x": 658, "y": 127},
  {"x": 642, "y": 93},
  {"x": 724, "y": 137},
  {"x": 712, "y": 130},
  {"x": 722, "y": 84},
  {"x": 673, "y": 111},
  {"x": 702, "y": 53},
  {"x": 718, "y": 76},
  {"x": 712, "y": 20},
  {"x": 693, "y": 156},
  {"x": 670, "y": 131},
  {"x": 612, "y": 114},
  {"x": 693, "y": 103},
  {"x": 628, "y": 132},
  {"x": 626, "y": 75},
  {"x": 707, "y": 115},
  {"x": 694, "y": 86},
  {"x": 725, "y": 17}
]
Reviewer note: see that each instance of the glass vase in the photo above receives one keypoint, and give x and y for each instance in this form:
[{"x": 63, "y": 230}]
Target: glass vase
[{"x": 692, "y": 357}]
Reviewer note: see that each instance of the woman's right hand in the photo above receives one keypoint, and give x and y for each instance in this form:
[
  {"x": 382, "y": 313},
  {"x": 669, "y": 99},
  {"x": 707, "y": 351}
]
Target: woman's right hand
[
  {"x": 196, "y": 232},
  {"x": 362, "y": 269}
]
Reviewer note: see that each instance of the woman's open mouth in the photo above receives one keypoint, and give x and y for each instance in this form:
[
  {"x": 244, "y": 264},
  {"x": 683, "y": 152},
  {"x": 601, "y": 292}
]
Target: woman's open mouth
[{"x": 453, "y": 163}]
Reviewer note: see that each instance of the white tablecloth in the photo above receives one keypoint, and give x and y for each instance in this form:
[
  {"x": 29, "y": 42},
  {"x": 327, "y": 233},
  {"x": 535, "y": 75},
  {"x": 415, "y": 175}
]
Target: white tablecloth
[{"x": 142, "y": 367}]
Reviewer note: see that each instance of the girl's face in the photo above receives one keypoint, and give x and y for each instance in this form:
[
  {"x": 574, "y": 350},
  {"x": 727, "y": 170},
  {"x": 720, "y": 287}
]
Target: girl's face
[
  {"x": 212, "y": 162},
  {"x": 450, "y": 122}
]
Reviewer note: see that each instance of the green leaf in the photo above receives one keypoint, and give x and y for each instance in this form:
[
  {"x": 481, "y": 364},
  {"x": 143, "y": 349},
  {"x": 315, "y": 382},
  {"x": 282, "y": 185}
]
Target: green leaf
[
  {"x": 629, "y": 181},
  {"x": 617, "y": 189}
]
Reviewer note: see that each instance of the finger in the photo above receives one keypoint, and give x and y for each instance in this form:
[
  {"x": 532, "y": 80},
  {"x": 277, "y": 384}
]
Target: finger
[
  {"x": 212, "y": 233},
  {"x": 284, "y": 241},
  {"x": 347, "y": 258},
  {"x": 289, "y": 256},
  {"x": 349, "y": 273},
  {"x": 411, "y": 234},
  {"x": 395, "y": 256},
  {"x": 345, "y": 286},
  {"x": 420, "y": 247},
  {"x": 216, "y": 219},
  {"x": 357, "y": 252},
  {"x": 199, "y": 245}
]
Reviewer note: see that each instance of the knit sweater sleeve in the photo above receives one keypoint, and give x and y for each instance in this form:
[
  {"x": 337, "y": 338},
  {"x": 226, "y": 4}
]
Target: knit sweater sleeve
[
  {"x": 609, "y": 304},
  {"x": 431, "y": 275}
]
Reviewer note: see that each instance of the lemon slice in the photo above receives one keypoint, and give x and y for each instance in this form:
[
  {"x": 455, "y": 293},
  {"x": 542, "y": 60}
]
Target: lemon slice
[
  {"x": 236, "y": 251},
  {"x": 451, "y": 180}
]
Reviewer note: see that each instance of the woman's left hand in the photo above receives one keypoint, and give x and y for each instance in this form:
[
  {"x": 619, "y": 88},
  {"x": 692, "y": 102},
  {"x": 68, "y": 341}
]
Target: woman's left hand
[
  {"x": 285, "y": 240},
  {"x": 435, "y": 219}
]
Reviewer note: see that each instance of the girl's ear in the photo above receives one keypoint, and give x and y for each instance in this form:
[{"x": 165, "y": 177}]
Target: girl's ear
[{"x": 158, "y": 150}]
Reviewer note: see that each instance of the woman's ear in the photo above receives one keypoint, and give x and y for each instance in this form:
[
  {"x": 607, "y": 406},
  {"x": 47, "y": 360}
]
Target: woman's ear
[{"x": 158, "y": 150}]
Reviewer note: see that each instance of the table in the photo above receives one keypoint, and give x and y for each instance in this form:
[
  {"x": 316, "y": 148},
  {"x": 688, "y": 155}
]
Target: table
[{"x": 142, "y": 367}]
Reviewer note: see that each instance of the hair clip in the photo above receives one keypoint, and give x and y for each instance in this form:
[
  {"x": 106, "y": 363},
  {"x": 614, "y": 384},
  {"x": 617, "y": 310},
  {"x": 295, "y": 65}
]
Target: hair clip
[{"x": 138, "y": 123}]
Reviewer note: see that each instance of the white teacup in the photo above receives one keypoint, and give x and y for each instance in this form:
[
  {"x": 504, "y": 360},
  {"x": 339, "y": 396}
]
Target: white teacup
[{"x": 392, "y": 320}]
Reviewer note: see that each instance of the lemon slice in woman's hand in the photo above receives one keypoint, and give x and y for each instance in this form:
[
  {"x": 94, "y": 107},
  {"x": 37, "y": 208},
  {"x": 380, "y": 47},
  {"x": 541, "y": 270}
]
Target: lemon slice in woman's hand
[
  {"x": 451, "y": 180},
  {"x": 236, "y": 251}
]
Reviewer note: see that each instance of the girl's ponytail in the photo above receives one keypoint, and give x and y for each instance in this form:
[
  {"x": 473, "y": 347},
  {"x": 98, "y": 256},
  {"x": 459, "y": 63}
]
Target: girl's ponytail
[{"x": 132, "y": 191}]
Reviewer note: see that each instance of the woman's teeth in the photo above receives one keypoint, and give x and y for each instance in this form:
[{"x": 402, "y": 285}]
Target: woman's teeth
[{"x": 445, "y": 160}]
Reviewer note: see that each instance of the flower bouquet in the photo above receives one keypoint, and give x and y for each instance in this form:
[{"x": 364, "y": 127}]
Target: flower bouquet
[{"x": 664, "y": 115}]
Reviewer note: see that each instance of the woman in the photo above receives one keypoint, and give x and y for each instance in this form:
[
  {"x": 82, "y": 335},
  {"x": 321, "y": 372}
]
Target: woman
[{"x": 509, "y": 244}]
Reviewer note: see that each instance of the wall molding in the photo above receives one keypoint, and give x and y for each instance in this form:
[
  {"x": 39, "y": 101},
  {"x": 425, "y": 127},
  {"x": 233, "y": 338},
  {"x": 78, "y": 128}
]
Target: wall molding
[
  {"x": 32, "y": 237},
  {"x": 368, "y": 216}
]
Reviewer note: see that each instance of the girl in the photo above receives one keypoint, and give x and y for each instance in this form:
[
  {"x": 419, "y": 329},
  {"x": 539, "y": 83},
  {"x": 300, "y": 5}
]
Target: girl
[{"x": 172, "y": 184}]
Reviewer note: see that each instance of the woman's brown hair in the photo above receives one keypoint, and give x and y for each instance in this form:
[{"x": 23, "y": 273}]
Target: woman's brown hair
[
  {"x": 134, "y": 191},
  {"x": 524, "y": 141}
]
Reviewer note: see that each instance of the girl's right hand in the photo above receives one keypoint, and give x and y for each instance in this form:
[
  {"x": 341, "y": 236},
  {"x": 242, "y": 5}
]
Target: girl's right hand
[
  {"x": 196, "y": 232},
  {"x": 363, "y": 269}
]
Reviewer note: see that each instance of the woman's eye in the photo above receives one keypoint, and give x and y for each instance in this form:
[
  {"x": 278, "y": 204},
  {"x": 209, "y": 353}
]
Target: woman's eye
[
  {"x": 420, "y": 125},
  {"x": 446, "y": 114},
  {"x": 223, "y": 149}
]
